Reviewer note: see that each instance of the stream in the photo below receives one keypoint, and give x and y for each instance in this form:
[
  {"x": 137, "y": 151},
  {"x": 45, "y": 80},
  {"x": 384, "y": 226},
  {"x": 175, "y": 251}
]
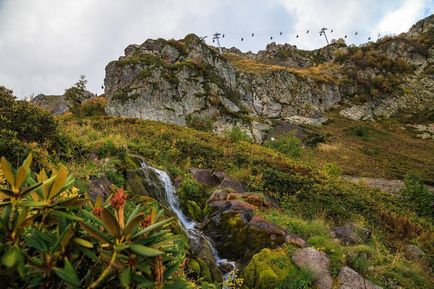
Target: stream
[{"x": 189, "y": 225}]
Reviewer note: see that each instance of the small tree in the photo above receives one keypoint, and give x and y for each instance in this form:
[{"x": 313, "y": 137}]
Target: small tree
[
  {"x": 81, "y": 84},
  {"x": 77, "y": 94}
]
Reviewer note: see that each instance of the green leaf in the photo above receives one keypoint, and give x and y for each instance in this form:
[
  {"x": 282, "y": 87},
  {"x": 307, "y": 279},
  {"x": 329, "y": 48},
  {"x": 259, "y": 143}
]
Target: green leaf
[
  {"x": 94, "y": 232},
  {"x": 90, "y": 254},
  {"x": 30, "y": 189},
  {"x": 110, "y": 222},
  {"x": 66, "y": 215},
  {"x": 152, "y": 227},
  {"x": 68, "y": 274},
  {"x": 36, "y": 243},
  {"x": 132, "y": 225},
  {"x": 170, "y": 270},
  {"x": 83, "y": 242},
  {"x": 91, "y": 216},
  {"x": 145, "y": 251},
  {"x": 120, "y": 248},
  {"x": 59, "y": 182},
  {"x": 63, "y": 239},
  {"x": 137, "y": 210},
  {"x": 125, "y": 278},
  {"x": 73, "y": 202},
  {"x": 20, "y": 177},
  {"x": 36, "y": 204},
  {"x": 7, "y": 171},
  {"x": 10, "y": 257},
  {"x": 27, "y": 162}
]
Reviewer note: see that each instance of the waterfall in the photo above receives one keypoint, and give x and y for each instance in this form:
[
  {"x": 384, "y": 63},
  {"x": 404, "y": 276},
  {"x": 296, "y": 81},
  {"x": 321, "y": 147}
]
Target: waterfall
[{"x": 189, "y": 225}]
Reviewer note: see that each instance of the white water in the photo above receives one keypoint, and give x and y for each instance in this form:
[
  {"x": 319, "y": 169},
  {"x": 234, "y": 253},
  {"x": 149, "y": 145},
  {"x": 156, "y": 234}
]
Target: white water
[{"x": 189, "y": 225}]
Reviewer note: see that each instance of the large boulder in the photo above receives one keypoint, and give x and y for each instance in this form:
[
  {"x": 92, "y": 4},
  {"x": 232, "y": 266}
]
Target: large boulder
[
  {"x": 268, "y": 269},
  {"x": 205, "y": 177},
  {"x": 316, "y": 262},
  {"x": 350, "y": 279},
  {"x": 239, "y": 234},
  {"x": 229, "y": 183}
]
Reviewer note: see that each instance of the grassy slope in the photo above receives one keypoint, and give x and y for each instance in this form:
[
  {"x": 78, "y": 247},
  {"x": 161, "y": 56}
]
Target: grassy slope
[
  {"x": 384, "y": 149},
  {"x": 308, "y": 197}
]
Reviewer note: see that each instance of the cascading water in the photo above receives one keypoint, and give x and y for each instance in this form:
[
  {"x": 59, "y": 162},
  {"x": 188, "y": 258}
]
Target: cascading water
[{"x": 189, "y": 225}]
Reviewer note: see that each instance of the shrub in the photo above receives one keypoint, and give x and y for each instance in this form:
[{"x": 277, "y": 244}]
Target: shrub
[
  {"x": 237, "y": 135},
  {"x": 27, "y": 121},
  {"x": 93, "y": 107},
  {"x": 332, "y": 170},
  {"x": 419, "y": 196},
  {"x": 287, "y": 144},
  {"x": 24, "y": 126},
  {"x": 52, "y": 237},
  {"x": 202, "y": 123}
]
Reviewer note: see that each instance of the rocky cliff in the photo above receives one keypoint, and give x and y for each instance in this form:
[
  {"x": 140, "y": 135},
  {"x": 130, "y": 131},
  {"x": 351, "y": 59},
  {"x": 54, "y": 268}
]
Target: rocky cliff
[{"x": 187, "y": 82}]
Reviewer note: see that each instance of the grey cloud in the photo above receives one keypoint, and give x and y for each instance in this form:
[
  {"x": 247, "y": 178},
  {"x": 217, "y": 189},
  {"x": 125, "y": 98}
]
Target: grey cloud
[{"x": 46, "y": 44}]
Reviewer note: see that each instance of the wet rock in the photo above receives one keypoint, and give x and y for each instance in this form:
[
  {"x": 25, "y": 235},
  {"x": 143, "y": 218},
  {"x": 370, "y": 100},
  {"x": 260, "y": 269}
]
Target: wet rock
[
  {"x": 351, "y": 234},
  {"x": 144, "y": 182},
  {"x": 350, "y": 279},
  {"x": 318, "y": 263},
  {"x": 200, "y": 248},
  {"x": 204, "y": 176}
]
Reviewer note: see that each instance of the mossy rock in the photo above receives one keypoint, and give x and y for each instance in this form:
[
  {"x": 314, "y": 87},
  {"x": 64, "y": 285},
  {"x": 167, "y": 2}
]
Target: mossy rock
[
  {"x": 144, "y": 182},
  {"x": 268, "y": 269},
  {"x": 271, "y": 269},
  {"x": 200, "y": 270}
]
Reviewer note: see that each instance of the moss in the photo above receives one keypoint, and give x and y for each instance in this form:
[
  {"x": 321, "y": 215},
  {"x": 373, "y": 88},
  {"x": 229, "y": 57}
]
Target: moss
[
  {"x": 199, "y": 270},
  {"x": 270, "y": 269},
  {"x": 147, "y": 59}
]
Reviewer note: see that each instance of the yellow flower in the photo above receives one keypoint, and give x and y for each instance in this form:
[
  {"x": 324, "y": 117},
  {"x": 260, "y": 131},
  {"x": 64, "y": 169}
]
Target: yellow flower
[{"x": 74, "y": 190}]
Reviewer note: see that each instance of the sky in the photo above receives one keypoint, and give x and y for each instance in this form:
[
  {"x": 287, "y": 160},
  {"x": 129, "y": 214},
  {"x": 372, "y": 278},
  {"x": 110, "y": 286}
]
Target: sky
[{"x": 45, "y": 45}]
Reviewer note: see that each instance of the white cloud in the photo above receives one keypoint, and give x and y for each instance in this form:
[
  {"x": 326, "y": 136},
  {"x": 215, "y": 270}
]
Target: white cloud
[
  {"x": 403, "y": 17},
  {"x": 46, "y": 44}
]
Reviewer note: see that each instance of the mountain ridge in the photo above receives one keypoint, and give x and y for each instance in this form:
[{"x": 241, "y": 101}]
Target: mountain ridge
[{"x": 187, "y": 82}]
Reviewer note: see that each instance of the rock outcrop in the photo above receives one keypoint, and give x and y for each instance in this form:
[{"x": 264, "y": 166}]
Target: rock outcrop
[
  {"x": 187, "y": 82},
  {"x": 237, "y": 232},
  {"x": 316, "y": 262}
]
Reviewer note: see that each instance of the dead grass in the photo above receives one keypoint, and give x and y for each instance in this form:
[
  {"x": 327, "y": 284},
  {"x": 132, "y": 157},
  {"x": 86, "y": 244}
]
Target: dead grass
[
  {"x": 322, "y": 72},
  {"x": 389, "y": 152}
]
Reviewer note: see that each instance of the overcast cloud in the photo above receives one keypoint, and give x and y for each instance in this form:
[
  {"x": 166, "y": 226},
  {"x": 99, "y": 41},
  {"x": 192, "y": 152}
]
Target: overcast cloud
[{"x": 46, "y": 44}]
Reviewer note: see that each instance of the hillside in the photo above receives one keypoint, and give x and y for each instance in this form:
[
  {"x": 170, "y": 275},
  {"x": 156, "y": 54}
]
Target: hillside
[{"x": 241, "y": 170}]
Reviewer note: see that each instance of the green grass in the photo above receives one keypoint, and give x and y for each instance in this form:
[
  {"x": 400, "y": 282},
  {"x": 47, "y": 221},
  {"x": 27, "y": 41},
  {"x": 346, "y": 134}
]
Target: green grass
[{"x": 313, "y": 199}]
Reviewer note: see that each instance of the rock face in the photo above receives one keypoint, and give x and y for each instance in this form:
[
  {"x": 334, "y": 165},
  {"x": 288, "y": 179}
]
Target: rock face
[
  {"x": 350, "y": 279},
  {"x": 187, "y": 82},
  {"x": 318, "y": 263}
]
